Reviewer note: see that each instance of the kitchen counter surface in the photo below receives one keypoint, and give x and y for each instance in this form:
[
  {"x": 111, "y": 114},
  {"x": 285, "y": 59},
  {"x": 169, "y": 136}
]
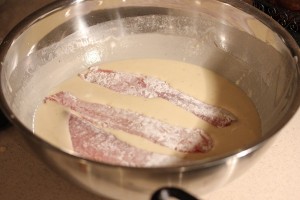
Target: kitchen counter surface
[{"x": 276, "y": 176}]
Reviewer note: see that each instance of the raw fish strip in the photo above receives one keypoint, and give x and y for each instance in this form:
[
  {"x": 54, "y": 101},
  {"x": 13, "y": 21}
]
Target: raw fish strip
[
  {"x": 150, "y": 87},
  {"x": 94, "y": 143},
  {"x": 177, "y": 138}
]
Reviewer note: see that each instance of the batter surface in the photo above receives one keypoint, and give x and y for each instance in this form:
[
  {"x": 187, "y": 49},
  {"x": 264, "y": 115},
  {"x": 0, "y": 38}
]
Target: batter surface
[{"x": 51, "y": 119}]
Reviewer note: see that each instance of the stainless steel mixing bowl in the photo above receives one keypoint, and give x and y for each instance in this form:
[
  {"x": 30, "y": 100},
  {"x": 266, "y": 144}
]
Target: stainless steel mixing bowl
[{"x": 229, "y": 37}]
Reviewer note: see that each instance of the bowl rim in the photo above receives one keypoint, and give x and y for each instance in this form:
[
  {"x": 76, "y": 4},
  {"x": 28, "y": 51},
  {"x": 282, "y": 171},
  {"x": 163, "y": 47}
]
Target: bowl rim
[{"x": 197, "y": 164}]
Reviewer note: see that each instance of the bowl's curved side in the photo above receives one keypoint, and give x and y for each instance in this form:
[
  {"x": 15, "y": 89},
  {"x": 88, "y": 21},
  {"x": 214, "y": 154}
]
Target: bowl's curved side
[{"x": 126, "y": 183}]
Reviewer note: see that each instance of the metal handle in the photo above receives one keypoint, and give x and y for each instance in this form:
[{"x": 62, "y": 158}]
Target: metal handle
[
  {"x": 3, "y": 121},
  {"x": 168, "y": 192}
]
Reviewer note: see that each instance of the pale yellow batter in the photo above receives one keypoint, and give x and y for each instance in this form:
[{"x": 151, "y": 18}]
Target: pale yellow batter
[{"x": 50, "y": 120}]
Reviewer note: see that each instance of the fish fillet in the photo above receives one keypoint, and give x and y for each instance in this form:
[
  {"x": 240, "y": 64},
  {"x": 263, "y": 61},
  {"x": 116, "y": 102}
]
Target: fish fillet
[
  {"x": 151, "y": 87},
  {"x": 177, "y": 138},
  {"x": 95, "y": 143}
]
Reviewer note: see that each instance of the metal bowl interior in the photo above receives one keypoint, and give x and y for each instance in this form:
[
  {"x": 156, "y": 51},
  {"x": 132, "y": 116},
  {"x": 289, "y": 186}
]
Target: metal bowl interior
[{"x": 231, "y": 38}]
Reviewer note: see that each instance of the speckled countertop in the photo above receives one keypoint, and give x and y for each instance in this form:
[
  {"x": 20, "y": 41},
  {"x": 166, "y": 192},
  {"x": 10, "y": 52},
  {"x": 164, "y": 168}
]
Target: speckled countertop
[{"x": 276, "y": 176}]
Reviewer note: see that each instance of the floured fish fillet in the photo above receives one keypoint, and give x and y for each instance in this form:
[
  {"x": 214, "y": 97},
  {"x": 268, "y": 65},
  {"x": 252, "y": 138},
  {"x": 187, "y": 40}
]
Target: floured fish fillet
[
  {"x": 94, "y": 143},
  {"x": 174, "y": 137},
  {"x": 150, "y": 87}
]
